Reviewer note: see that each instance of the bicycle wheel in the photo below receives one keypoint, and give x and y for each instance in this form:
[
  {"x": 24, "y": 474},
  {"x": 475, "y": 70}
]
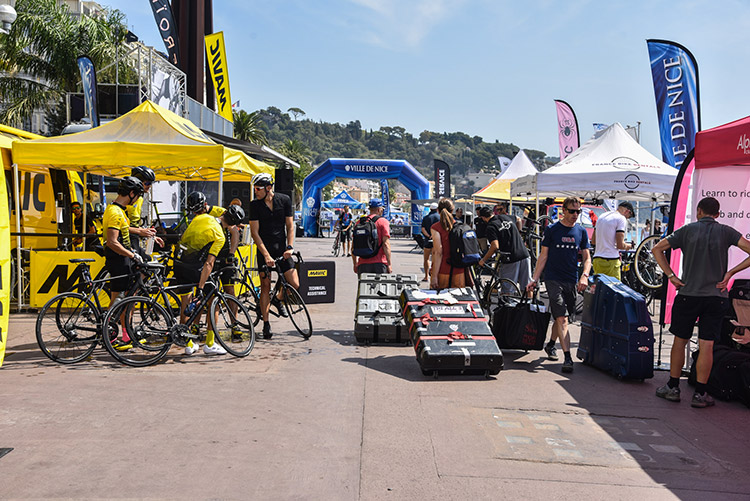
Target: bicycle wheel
[
  {"x": 297, "y": 311},
  {"x": 67, "y": 328},
  {"x": 247, "y": 296},
  {"x": 646, "y": 269},
  {"x": 147, "y": 324},
  {"x": 233, "y": 325},
  {"x": 336, "y": 247},
  {"x": 168, "y": 300},
  {"x": 496, "y": 291}
]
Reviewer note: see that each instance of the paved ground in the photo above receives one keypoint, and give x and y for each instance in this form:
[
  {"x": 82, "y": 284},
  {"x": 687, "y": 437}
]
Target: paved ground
[{"x": 328, "y": 419}]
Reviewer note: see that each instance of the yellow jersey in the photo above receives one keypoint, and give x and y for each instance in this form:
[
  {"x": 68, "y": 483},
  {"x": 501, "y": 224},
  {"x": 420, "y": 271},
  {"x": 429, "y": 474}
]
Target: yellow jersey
[
  {"x": 134, "y": 212},
  {"x": 203, "y": 230},
  {"x": 115, "y": 217}
]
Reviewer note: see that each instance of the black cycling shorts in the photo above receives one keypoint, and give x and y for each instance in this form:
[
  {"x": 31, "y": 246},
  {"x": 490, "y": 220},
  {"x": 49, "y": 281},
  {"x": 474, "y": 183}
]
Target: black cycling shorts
[{"x": 120, "y": 269}]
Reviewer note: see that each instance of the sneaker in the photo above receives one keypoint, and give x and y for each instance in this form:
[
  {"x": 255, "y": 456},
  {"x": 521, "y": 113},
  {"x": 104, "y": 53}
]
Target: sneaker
[
  {"x": 701, "y": 401},
  {"x": 671, "y": 394},
  {"x": 551, "y": 352},
  {"x": 215, "y": 349},
  {"x": 567, "y": 366},
  {"x": 122, "y": 345},
  {"x": 236, "y": 335},
  {"x": 267, "y": 330},
  {"x": 189, "y": 350},
  {"x": 279, "y": 306}
]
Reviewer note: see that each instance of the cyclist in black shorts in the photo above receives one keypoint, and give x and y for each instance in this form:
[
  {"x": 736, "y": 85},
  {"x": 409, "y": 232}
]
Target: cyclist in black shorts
[
  {"x": 118, "y": 252},
  {"x": 272, "y": 227}
]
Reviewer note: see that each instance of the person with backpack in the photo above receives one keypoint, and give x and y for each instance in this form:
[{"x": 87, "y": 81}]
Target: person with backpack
[
  {"x": 371, "y": 241},
  {"x": 454, "y": 248}
]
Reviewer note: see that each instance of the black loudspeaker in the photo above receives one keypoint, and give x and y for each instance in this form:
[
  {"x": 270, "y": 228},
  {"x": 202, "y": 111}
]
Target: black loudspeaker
[{"x": 285, "y": 183}]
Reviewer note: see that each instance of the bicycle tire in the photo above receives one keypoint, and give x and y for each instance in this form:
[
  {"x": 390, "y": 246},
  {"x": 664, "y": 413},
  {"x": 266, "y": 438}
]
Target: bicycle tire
[
  {"x": 492, "y": 291},
  {"x": 59, "y": 324},
  {"x": 234, "y": 330},
  {"x": 647, "y": 271},
  {"x": 297, "y": 310},
  {"x": 148, "y": 325},
  {"x": 246, "y": 295}
]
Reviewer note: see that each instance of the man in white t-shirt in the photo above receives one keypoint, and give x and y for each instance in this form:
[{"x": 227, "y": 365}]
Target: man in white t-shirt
[{"x": 609, "y": 240}]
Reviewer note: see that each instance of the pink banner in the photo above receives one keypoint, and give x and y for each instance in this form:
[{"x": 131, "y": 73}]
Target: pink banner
[{"x": 567, "y": 126}]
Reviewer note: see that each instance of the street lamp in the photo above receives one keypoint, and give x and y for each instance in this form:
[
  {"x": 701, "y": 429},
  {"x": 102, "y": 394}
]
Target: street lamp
[{"x": 7, "y": 16}]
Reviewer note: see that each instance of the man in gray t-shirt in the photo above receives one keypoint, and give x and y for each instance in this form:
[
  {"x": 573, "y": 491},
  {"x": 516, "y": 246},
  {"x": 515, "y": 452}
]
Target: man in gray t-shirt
[{"x": 702, "y": 293}]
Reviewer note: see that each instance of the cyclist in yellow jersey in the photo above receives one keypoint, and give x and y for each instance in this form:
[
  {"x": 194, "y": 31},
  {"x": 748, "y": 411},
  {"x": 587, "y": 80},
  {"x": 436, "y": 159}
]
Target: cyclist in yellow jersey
[
  {"x": 202, "y": 243},
  {"x": 118, "y": 253},
  {"x": 134, "y": 211}
]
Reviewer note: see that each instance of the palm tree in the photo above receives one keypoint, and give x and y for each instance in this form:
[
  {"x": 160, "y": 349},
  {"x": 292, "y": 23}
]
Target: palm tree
[
  {"x": 247, "y": 126},
  {"x": 38, "y": 56}
]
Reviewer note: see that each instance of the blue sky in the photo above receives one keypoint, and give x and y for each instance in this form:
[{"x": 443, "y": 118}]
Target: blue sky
[{"x": 485, "y": 67}]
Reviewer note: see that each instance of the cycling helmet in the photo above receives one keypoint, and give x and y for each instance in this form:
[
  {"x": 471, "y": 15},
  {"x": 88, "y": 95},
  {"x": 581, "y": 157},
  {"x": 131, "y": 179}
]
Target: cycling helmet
[
  {"x": 196, "y": 201},
  {"x": 143, "y": 173},
  {"x": 234, "y": 215},
  {"x": 128, "y": 184},
  {"x": 262, "y": 179}
]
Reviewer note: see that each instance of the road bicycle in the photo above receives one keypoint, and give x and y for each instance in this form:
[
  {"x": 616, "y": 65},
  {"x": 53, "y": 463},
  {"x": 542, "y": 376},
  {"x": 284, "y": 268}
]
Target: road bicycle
[
  {"x": 336, "y": 249},
  {"x": 153, "y": 330},
  {"x": 647, "y": 270},
  {"x": 493, "y": 290},
  {"x": 69, "y": 326},
  {"x": 294, "y": 305},
  {"x": 533, "y": 233}
]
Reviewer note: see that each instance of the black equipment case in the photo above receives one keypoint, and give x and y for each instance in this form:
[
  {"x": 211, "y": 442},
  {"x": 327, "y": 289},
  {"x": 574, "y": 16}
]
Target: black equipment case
[
  {"x": 450, "y": 334},
  {"x": 378, "y": 318}
]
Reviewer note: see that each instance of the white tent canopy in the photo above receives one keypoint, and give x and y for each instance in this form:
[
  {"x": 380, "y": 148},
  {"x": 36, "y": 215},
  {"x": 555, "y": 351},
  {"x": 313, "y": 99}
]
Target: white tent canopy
[
  {"x": 520, "y": 166},
  {"x": 609, "y": 165}
]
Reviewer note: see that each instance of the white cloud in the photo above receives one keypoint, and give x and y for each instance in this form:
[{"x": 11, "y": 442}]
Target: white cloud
[{"x": 403, "y": 24}]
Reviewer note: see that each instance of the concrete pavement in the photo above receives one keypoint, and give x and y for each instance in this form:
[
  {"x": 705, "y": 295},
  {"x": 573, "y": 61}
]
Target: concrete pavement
[{"x": 328, "y": 419}]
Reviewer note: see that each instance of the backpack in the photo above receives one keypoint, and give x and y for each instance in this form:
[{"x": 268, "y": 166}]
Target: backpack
[
  {"x": 464, "y": 246},
  {"x": 365, "y": 242}
]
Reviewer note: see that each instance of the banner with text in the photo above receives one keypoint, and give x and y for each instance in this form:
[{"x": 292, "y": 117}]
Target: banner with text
[
  {"x": 675, "y": 75},
  {"x": 386, "y": 198},
  {"x": 90, "y": 93},
  {"x": 217, "y": 62},
  {"x": 442, "y": 179},
  {"x": 567, "y": 128},
  {"x": 167, "y": 28}
]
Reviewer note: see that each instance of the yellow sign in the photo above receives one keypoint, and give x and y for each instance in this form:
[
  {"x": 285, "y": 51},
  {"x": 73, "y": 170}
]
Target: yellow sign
[
  {"x": 5, "y": 261},
  {"x": 217, "y": 62},
  {"x": 53, "y": 273},
  {"x": 317, "y": 273}
]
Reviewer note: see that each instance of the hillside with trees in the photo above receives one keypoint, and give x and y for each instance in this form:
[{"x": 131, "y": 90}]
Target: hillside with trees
[{"x": 319, "y": 141}]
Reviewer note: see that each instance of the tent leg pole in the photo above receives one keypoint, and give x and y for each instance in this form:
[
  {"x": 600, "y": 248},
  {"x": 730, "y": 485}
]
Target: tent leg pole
[
  {"x": 84, "y": 205},
  {"x": 536, "y": 212},
  {"x": 221, "y": 186},
  {"x": 19, "y": 268}
]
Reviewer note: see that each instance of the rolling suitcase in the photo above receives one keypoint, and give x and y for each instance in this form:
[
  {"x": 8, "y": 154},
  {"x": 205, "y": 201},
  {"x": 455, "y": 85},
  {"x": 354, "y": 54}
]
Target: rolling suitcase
[
  {"x": 456, "y": 346},
  {"x": 620, "y": 337},
  {"x": 378, "y": 318},
  {"x": 452, "y": 303}
]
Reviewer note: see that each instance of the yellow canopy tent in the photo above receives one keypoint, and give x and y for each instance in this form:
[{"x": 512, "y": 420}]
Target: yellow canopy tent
[{"x": 148, "y": 135}]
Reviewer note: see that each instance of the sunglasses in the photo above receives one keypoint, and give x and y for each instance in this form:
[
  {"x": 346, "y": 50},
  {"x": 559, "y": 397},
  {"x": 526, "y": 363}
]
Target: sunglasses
[
  {"x": 573, "y": 211},
  {"x": 146, "y": 184}
]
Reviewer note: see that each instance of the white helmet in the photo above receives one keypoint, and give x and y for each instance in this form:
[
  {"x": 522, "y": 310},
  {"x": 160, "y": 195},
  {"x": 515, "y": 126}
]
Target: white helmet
[{"x": 262, "y": 179}]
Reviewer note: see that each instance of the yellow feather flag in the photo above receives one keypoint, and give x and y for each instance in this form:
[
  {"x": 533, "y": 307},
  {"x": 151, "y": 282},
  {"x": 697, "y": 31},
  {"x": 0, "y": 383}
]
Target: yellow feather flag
[{"x": 217, "y": 62}]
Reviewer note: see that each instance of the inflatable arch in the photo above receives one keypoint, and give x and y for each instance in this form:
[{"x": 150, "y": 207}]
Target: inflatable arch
[{"x": 355, "y": 168}]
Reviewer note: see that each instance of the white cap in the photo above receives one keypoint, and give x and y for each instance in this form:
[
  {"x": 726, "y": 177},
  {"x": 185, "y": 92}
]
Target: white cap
[{"x": 433, "y": 206}]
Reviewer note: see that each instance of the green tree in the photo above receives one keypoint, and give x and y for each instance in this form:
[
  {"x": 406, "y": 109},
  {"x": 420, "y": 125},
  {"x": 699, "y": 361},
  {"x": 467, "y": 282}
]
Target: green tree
[
  {"x": 38, "y": 55},
  {"x": 296, "y": 112},
  {"x": 247, "y": 126}
]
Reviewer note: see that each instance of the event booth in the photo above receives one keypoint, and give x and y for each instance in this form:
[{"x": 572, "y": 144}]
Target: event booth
[
  {"x": 718, "y": 167},
  {"x": 356, "y": 168},
  {"x": 499, "y": 188},
  {"x": 148, "y": 135},
  {"x": 342, "y": 200},
  {"x": 609, "y": 165}
]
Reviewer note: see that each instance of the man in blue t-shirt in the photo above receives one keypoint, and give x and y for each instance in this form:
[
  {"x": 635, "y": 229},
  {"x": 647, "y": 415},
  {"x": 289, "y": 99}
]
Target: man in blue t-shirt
[
  {"x": 427, "y": 222},
  {"x": 345, "y": 227},
  {"x": 560, "y": 247}
]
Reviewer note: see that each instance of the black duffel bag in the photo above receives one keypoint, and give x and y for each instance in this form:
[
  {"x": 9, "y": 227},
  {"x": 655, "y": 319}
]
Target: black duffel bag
[{"x": 520, "y": 324}]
